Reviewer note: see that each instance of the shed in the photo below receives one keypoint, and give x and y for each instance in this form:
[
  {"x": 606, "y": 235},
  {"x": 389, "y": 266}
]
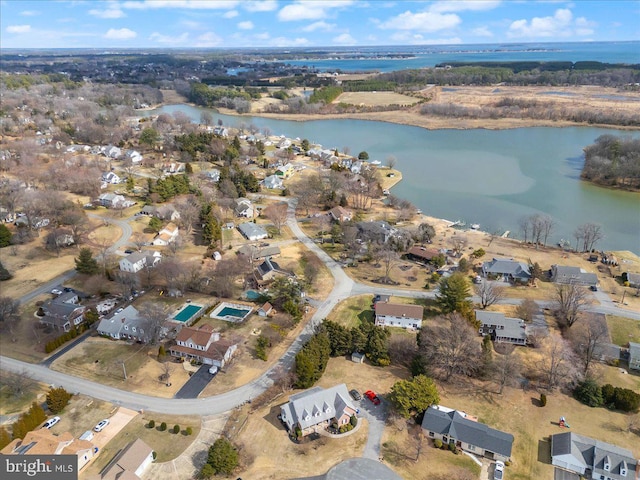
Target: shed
[{"x": 357, "y": 357}]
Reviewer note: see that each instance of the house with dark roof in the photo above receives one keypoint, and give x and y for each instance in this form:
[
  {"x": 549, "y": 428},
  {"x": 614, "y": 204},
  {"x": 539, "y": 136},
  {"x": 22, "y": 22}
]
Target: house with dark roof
[
  {"x": 573, "y": 276},
  {"x": 130, "y": 462},
  {"x": 244, "y": 208},
  {"x": 454, "y": 427},
  {"x": 634, "y": 356},
  {"x": 502, "y": 329},
  {"x": 62, "y": 312},
  {"x": 422, "y": 254},
  {"x": 126, "y": 325},
  {"x": 254, "y": 253},
  {"x": 269, "y": 269},
  {"x": 315, "y": 409},
  {"x": 204, "y": 345},
  {"x": 398, "y": 315},
  {"x": 340, "y": 214},
  {"x": 506, "y": 269},
  {"x": 375, "y": 231},
  {"x": 633, "y": 279},
  {"x": 252, "y": 232},
  {"x": 591, "y": 458}
]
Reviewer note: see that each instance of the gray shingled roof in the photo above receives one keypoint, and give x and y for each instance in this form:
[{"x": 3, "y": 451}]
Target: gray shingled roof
[
  {"x": 507, "y": 326},
  {"x": 478, "y": 434},
  {"x": 573, "y": 275},
  {"x": 251, "y": 230},
  {"x": 503, "y": 266},
  {"x": 316, "y": 405}
]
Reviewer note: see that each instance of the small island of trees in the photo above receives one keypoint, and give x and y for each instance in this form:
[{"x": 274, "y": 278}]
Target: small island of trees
[{"x": 613, "y": 161}]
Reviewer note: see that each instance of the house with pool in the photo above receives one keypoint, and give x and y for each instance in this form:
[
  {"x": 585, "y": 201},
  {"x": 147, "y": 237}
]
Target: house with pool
[{"x": 203, "y": 345}]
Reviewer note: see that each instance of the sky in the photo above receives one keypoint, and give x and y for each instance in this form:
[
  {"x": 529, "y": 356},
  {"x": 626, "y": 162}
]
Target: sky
[{"x": 310, "y": 23}]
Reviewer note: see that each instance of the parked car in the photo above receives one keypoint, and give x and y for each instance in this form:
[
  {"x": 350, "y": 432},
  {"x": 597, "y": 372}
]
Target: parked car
[
  {"x": 51, "y": 422},
  {"x": 68, "y": 289},
  {"x": 56, "y": 291},
  {"x": 100, "y": 426},
  {"x": 120, "y": 310},
  {"x": 498, "y": 473},
  {"x": 355, "y": 395},
  {"x": 594, "y": 288},
  {"x": 128, "y": 251},
  {"x": 371, "y": 395}
]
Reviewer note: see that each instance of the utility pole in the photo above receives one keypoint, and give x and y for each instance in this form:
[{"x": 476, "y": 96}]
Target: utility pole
[{"x": 124, "y": 370}]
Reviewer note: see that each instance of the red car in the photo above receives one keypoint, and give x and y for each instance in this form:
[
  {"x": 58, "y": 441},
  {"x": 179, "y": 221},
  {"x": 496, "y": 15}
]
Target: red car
[{"x": 372, "y": 396}]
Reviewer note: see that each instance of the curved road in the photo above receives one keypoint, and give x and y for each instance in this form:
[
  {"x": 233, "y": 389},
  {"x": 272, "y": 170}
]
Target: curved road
[{"x": 344, "y": 287}]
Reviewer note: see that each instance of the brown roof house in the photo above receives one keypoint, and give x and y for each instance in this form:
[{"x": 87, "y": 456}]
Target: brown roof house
[
  {"x": 130, "y": 462},
  {"x": 203, "y": 345},
  {"x": 44, "y": 442},
  {"x": 422, "y": 254},
  {"x": 340, "y": 214},
  {"x": 167, "y": 235},
  {"x": 398, "y": 315},
  {"x": 62, "y": 312}
]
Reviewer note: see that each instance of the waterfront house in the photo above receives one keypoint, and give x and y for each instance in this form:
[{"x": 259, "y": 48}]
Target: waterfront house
[
  {"x": 398, "y": 315},
  {"x": 454, "y": 427},
  {"x": 340, "y": 214},
  {"x": 422, "y": 254},
  {"x": 375, "y": 231},
  {"x": 315, "y": 409},
  {"x": 502, "y": 329},
  {"x": 592, "y": 459},
  {"x": 506, "y": 269},
  {"x": 573, "y": 276}
]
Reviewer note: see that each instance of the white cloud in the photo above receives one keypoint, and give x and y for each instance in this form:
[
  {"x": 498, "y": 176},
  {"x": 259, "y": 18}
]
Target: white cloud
[
  {"x": 307, "y": 10},
  {"x": 482, "y": 32},
  {"x": 208, "y": 39},
  {"x": 113, "y": 11},
  {"x": 344, "y": 39},
  {"x": 168, "y": 39},
  {"x": 422, "y": 21},
  {"x": 18, "y": 28},
  {"x": 260, "y": 6},
  {"x": 245, "y": 25},
  {"x": 181, "y": 4},
  {"x": 561, "y": 24},
  {"x": 120, "y": 34},
  {"x": 230, "y": 14},
  {"x": 321, "y": 25},
  {"x": 262, "y": 36},
  {"x": 29, "y": 13},
  {"x": 463, "y": 5}
]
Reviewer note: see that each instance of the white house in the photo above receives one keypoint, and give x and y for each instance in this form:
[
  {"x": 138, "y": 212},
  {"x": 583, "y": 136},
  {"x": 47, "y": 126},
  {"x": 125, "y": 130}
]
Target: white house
[
  {"x": 110, "y": 177},
  {"x": 273, "y": 182},
  {"x": 203, "y": 345},
  {"x": 167, "y": 235},
  {"x": 111, "y": 200},
  {"x": 112, "y": 151},
  {"x": 634, "y": 356},
  {"x": 398, "y": 315},
  {"x": 244, "y": 208},
  {"x": 136, "y": 261},
  {"x": 134, "y": 156}
]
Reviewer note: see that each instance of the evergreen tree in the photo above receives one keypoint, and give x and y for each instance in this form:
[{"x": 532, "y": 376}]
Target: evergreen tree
[
  {"x": 377, "y": 349},
  {"x": 414, "y": 396},
  {"x": 57, "y": 399},
  {"x": 5, "y": 438},
  {"x": 206, "y": 472},
  {"x": 487, "y": 356},
  {"x": 131, "y": 184},
  {"x": 5, "y": 236},
  {"x": 223, "y": 457},
  {"x": 339, "y": 338},
  {"x": 85, "y": 263},
  {"x": 4, "y": 273},
  {"x": 188, "y": 168},
  {"x": 305, "y": 145},
  {"x": 454, "y": 294},
  {"x": 589, "y": 393}
]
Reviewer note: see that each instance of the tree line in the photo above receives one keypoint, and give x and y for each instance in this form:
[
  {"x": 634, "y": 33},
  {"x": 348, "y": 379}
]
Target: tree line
[{"x": 613, "y": 161}]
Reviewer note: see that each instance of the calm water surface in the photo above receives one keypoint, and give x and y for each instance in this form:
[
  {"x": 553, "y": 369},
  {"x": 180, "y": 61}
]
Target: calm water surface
[{"x": 490, "y": 177}]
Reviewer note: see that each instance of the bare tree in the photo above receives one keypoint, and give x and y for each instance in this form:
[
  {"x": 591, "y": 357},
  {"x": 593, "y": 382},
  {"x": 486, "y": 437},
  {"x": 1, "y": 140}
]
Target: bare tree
[
  {"x": 426, "y": 233},
  {"x": 557, "y": 365},
  {"x": 128, "y": 282},
  {"x": 489, "y": 293},
  {"x": 17, "y": 383},
  {"x": 139, "y": 240},
  {"x": 527, "y": 310},
  {"x": 9, "y": 313},
  {"x": 391, "y": 161},
  {"x": 450, "y": 346},
  {"x": 402, "y": 349},
  {"x": 587, "y": 236},
  {"x": 189, "y": 210},
  {"x": 587, "y": 338},
  {"x": 459, "y": 243},
  {"x": 525, "y": 227},
  {"x": 548, "y": 225},
  {"x": 506, "y": 368},
  {"x": 277, "y": 213},
  {"x": 389, "y": 259},
  {"x": 154, "y": 316},
  {"x": 570, "y": 300}
]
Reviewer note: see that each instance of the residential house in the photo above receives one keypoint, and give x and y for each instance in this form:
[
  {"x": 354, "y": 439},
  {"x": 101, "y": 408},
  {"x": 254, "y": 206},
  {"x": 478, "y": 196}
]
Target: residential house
[
  {"x": 284, "y": 143},
  {"x": 133, "y": 156},
  {"x": 356, "y": 167},
  {"x": 506, "y": 269},
  {"x": 252, "y": 231},
  {"x": 165, "y": 211},
  {"x": 315, "y": 409},
  {"x": 265, "y": 310},
  {"x": 255, "y": 253},
  {"x": 221, "y": 131},
  {"x": 63, "y": 238},
  {"x": 573, "y": 276},
  {"x": 633, "y": 279},
  {"x": 126, "y": 325},
  {"x": 454, "y": 427},
  {"x": 268, "y": 270},
  {"x": 110, "y": 177},
  {"x": 273, "y": 182},
  {"x": 634, "y": 356},
  {"x": 130, "y": 462},
  {"x": 398, "y": 315},
  {"x": 136, "y": 261},
  {"x": 168, "y": 234},
  {"x": 44, "y": 442},
  {"x": 285, "y": 171},
  {"x": 62, "y": 312},
  {"x": 173, "y": 168},
  {"x": 422, "y": 254},
  {"x": 375, "y": 231},
  {"x": 244, "y": 208},
  {"x": 592, "y": 459},
  {"x": 203, "y": 345},
  {"x": 112, "y": 151},
  {"x": 214, "y": 174},
  {"x": 111, "y": 200},
  {"x": 340, "y": 214},
  {"x": 502, "y": 329}
]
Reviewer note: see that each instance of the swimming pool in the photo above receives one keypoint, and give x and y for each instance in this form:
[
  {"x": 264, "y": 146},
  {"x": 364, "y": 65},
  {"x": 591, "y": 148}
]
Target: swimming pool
[
  {"x": 231, "y": 312},
  {"x": 186, "y": 313},
  {"x": 252, "y": 295}
]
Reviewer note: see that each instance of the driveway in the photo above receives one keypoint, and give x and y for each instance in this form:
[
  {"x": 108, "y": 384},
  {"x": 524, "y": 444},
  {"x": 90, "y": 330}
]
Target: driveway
[
  {"x": 376, "y": 415},
  {"x": 198, "y": 381},
  {"x": 560, "y": 474},
  {"x": 117, "y": 422}
]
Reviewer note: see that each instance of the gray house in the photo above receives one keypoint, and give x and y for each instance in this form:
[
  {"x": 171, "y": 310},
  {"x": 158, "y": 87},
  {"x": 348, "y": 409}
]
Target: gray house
[
  {"x": 573, "y": 276},
  {"x": 502, "y": 329},
  {"x": 377, "y": 232},
  {"x": 252, "y": 232},
  {"x": 592, "y": 458},
  {"x": 315, "y": 409},
  {"x": 126, "y": 325},
  {"x": 458, "y": 428},
  {"x": 506, "y": 269},
  {"x": 63, "y": 312},
  {"x": 634, "y": 356}
]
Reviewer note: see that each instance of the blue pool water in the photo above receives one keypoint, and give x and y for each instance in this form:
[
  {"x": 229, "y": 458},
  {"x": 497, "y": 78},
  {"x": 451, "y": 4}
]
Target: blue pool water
[{"x": 186, "y": 313}]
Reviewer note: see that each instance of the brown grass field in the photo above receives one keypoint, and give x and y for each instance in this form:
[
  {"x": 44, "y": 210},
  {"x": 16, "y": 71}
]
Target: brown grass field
[{"x": 375, "y": 99}]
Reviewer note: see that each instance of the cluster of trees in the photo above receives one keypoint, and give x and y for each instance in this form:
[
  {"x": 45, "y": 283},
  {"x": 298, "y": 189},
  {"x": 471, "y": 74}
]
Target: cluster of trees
[
  {"x": 222, "y": 459},
  {"x": 325, "y": 95},
  {"x": 590, "y": 393},
  {"x": 24, "y": 424},
  {"x": 311, "y": 360},
  {"x": 202, "y": 94},
  {"x": 368, "y": 86},
  {"x": 536, "y": 228},
  {"x": 364, "y": 338},
  {"x": 613, "y": 161},
  {"x": 170, "y": 186}
]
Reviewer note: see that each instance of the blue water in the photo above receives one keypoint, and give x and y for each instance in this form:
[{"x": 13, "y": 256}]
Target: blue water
[
  {"x": 186, "y": 313},
  {"x": 369, "y": 58}
]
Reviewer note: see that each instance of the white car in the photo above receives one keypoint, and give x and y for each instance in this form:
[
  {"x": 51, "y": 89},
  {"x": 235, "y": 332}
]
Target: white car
[
  {"x": 51, "y": 422},
  {"x": 100, "y": 426},
  {"x": 55, "y": 291},
  {"x": 498, "y": 473}
]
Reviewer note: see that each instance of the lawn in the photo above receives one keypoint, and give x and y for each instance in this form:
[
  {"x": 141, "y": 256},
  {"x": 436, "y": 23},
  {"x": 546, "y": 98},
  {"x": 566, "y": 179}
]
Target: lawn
[
  {"x": 14, "y": 404},
  {"x": 167, "y": 445},
  {"x": 352, "y": 311},
  {"x": 623, "y": 330}
]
